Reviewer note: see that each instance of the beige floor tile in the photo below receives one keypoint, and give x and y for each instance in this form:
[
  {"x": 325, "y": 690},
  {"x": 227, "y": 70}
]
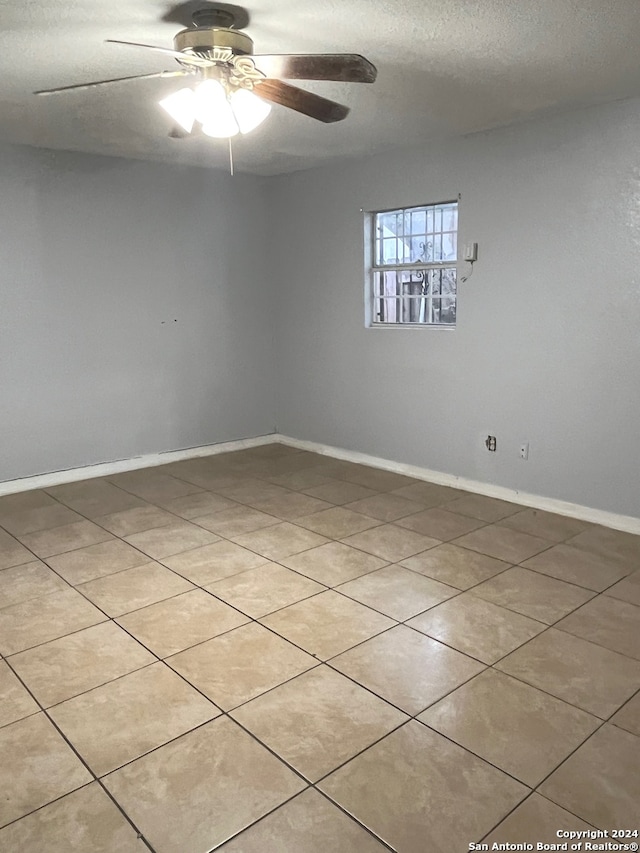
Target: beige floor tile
[
  {"x": 614, "y": 544},
  {"x": 536, "y": 821},
  {"x": 202, "y": 789},
  {"x": 265, "y": 589},
  {"x": 482, "y": 507},
  {"x": 476, "y": 627},
  {"x": 135, "y": 520},
  {"x": 440, "y": 524},
  {"x": 214, "y": 562},
  {"x": 177, "y": 623},
  {"x": 548, "y": 525},
  {"x": 281, "y": 540},
  {"x": 333, "y": 563},
  {"x": 521, "y": 730},
  {"x": 37, "y": 765},
  {"x": 375, "y": 478},
  {"x": 390, "y": 542},
  {"x": 41, "y": 518},
  {"x": 419, "y": 792},
  {"x": 171, "y": 539},
  {"x": 591, "y": 677},
  {"x": 151, "y": 486},
  {"x": 600, "y": 782},
  {"x": 253, "y": 490},
  {"x": 532, "y": 594},
  {"x": 576, "y": 566},
  {"x": 291, "y": 506},
  {"x": 337, "y": 522},
  {"x": 78, "y": 662},
  {"x": 371, "y": 478},
  {"x": 96, "y": 561},
  {"x": 503, "y": 543},
  {"x": 397, "y": 592},
  {"x": 318, "y": 720},
  {"x": 12, "y": 553},
  {"x": 42, "y": 619},
  {"x": 31, "y": 580},
  {"x": 197, "y": 504},
  {"x": 429, "y": 494},
  {"x": 20, "y": 501},
  {"x": 241, "y": 664},
  {"x": 15, "y": 701},
  {"x": 608, "y": 622},
  {"x": 119, "y": 721},
  {"x": 85, "y": 820},
  {"x": 406, "y": 668},
  {"x": 207, "y": 479},
  {"x": 385, "y": 507},
  {"x": 627, "y": 590},
  {"x": 628, "y": 717},
  {"x": 302, "y": 481},
  {"x": 334, "y": 468},
  {"x": 327, "y": 624},
  {"x": 94, "y": 497},
  {"x": 292, "y": 462},
  {"x": 236, "y": 521},
  {"x": 308, "y": 823},
  {"x": 68, "y": 537},
  {"x": 134, "y": 588},
  {"x": 339, "y": 492},
  {"x": 455, "y": 566}
]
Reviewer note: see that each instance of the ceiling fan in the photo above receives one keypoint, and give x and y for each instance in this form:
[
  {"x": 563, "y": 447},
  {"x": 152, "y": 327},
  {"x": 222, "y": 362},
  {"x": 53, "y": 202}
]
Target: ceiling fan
[{"x": 233, "y": 89}]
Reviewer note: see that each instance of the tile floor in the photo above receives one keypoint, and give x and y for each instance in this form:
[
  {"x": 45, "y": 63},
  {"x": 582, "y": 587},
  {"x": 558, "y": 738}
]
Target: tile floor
[{"x": 271, "y": 651}]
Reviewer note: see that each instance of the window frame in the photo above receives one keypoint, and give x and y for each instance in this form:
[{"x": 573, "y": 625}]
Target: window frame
[{"x": 372, "y": 268}]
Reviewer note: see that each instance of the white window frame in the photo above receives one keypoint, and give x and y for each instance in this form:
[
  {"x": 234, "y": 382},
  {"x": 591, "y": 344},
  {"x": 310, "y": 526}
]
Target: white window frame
[{"x": 373, "y": 269}]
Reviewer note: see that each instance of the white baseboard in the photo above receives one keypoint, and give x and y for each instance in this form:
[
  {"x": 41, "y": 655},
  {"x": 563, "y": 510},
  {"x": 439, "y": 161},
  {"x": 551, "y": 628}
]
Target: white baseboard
[
  {"x": 628, "y": 523},
  {"x": 107, "y": 469}
]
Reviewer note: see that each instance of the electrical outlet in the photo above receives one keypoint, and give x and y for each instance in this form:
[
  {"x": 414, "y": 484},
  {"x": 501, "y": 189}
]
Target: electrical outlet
[
  {"x": 524, "y": 450},
  {"x": 490, "y": 442}
]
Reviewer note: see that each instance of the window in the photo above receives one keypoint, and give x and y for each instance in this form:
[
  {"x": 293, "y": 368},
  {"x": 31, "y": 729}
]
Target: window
[{"x": 412, "y": 269}]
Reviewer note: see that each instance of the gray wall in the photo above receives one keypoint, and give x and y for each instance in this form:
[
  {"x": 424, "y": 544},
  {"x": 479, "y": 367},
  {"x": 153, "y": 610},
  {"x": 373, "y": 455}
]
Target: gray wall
[
  {"x": 139, "y": 305},
  {"x": 547, "y": 347},
  {"x": 134, "y": 312}
]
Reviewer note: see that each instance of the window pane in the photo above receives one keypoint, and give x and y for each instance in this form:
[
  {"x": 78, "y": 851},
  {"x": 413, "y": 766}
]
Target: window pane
[
  {"x": 387, "y": 311},
  {"x": 407, "y": 238},
  {"x": 419, "y": 222},
  {"x": 449, "y": 246}
]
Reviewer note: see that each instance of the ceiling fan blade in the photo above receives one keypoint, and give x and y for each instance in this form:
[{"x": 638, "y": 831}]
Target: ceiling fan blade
[
  {"x": 114, "y": 80},
  {"x": 300, "y": 100},
  {"x": 341, "y": 67},
  {"x": 178, "y": 132},
  {"x": 189, "y": 58}
]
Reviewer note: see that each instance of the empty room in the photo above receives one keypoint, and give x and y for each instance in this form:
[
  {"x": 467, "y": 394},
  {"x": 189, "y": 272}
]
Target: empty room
[{"x": 320, "y": 426}]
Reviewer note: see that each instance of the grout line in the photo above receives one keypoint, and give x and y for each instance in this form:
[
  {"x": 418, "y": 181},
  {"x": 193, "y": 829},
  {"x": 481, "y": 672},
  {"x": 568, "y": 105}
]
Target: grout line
[
  {"x": 518, "y": 805},
  {"x": 368, "y": 829},
  {"x": 320, "y": 662},
  {"x": 80, "y": 758}
]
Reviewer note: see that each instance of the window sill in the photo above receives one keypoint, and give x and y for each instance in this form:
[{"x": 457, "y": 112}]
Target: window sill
[{"x": 442, "y": 327}]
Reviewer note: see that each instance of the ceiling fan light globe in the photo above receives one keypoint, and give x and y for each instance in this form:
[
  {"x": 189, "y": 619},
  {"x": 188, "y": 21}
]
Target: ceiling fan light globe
[
  {"x": 181, "y": 106},
  {"x": 214, "y": 112},
  {"x": 210, "y": 101},
  {"x": 249, "y": 110},
  {"x": 221, "y": 129}
]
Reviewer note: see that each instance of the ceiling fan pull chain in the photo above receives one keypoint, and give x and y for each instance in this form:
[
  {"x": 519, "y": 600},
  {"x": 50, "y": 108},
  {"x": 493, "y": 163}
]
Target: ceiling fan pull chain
[{"x": 230, "y": 157}]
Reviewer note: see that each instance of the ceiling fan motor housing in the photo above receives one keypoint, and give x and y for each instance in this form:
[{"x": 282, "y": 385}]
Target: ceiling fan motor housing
[{"x": 204, "y": 39}]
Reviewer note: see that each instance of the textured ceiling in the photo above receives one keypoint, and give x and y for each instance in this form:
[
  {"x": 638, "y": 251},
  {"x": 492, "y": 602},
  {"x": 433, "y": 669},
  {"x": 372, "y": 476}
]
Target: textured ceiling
[{"x": 445, "y": 67}]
